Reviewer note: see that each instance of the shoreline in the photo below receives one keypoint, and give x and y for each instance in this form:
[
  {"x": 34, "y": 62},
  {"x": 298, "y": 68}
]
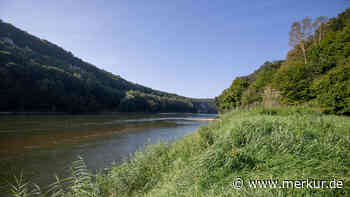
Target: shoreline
[{"x": 97, "y": 113}]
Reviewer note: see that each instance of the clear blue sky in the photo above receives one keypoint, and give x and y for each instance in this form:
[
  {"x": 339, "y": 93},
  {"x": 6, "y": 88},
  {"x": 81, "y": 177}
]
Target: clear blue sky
[{"x": 192, "y": 48}]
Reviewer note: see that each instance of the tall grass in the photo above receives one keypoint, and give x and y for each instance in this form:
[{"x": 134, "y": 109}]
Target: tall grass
[{"x": 277, "y": 143}]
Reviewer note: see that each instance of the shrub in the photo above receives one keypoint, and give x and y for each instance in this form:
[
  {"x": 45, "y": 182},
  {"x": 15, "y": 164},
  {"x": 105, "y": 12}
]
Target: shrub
[{"x": 333, "y": 90}]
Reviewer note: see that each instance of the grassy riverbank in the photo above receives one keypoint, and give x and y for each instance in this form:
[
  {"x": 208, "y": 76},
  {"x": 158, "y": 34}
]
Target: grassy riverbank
[{"x": 280, "y": 143}]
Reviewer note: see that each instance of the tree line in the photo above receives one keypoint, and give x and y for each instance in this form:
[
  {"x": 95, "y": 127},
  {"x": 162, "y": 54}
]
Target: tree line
[
  {"x": 37, "y": 75},
  {"x": 316, "y": 71}
]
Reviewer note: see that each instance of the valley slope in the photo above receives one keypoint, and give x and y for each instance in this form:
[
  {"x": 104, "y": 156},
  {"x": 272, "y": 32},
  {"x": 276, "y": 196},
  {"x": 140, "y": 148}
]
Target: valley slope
[{"x": 37, "y": 75}]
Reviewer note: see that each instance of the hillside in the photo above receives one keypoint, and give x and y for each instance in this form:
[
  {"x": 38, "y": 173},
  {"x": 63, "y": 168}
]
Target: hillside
[
  {"x": 315, "y": 73},
  {"x": 36, "y": 75}
]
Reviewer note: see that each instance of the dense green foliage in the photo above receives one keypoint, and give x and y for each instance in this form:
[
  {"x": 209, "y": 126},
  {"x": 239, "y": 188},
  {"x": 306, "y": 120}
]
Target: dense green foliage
[
  {"x": 248, "y": 90},
  {"x": 259, "y": 79},
  {"x": 259, "y": 144},
  {"x": 323, "y": 81},
  {"x": 232, "y": 97},
  {"x": 333, "y": 90},
  {"x": 36, "y": 75}
]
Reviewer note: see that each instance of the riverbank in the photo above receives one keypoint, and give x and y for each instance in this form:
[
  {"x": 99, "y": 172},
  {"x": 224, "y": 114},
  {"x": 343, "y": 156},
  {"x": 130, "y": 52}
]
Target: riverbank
[
  {"x": 261, "y": 144},
  {"x": 4, "y": 113}
]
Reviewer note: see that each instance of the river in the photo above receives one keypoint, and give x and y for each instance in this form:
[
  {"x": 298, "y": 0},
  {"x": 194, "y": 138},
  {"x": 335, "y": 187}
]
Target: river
[{"x": 41, "y": 146}]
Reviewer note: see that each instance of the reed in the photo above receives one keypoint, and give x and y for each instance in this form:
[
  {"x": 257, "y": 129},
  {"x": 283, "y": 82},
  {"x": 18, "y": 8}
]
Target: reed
[{"x": 295, "y": 143}]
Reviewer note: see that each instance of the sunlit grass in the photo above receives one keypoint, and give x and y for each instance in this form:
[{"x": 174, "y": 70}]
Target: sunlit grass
[{"x": 278, "y": 143}]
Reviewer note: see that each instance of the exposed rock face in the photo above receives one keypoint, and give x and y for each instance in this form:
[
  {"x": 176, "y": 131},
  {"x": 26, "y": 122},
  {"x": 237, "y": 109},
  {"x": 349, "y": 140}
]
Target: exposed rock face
[
  {"x": 271, "y": 97},
  {"x": 28, "y": 49},
  {"x": 207, "y": 107},
  {"x": 8, "y": 41}
]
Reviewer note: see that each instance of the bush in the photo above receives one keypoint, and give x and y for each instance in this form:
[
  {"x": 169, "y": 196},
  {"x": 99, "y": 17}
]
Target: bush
[
  {"x": 333, "y": 90},
  {"x": 293, "y": 81}
]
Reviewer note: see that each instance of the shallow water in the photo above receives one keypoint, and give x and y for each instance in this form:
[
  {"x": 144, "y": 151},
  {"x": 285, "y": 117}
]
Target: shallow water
[{"x": 42, "y": 146}]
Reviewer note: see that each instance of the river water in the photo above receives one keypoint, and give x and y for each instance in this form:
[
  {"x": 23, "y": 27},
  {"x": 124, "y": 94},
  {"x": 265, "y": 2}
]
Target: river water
[{"x": 41, "y": 146}]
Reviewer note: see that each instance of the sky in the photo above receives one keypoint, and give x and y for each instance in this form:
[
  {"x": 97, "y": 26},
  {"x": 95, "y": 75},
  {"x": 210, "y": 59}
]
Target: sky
[{"x": 191, "y": 48}]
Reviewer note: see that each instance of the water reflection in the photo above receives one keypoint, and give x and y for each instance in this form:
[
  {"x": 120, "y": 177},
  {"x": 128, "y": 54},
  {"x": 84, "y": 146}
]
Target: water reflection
[{"x": 44, "y": 146}]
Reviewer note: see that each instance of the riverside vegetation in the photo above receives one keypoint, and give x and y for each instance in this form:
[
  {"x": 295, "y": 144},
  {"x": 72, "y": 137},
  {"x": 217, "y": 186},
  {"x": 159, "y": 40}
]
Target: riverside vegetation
[
  {"x": 293, "y": 143},
  {"x": 306, "y": 140},
  {"x": 315, "y": 73}
]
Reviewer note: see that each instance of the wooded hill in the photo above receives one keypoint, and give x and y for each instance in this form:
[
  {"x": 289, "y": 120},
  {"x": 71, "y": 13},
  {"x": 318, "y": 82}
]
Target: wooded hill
[
  {"x": 315, "y": 73},
  {"x": 36, "y": 75}
]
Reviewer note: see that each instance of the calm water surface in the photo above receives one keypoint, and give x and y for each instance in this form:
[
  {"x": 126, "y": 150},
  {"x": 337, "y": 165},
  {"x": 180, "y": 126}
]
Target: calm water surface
[{"x": 42, "y": 146}]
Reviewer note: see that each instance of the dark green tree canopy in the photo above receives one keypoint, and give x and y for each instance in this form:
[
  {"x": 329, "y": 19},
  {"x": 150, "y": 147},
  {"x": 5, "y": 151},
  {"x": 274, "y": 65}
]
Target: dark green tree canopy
[
  {"x": 315, "y": 72},
  {"x": 36, "y": 75}
]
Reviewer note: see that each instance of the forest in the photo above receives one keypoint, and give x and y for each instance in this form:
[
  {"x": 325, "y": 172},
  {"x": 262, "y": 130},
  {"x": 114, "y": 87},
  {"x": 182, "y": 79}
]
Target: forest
[
  {"x": 315, "y": 73},
  {"x": 39, "y": 76}
]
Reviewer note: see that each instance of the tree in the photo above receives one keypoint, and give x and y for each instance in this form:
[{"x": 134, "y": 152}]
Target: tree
[
  {"x": 333, "y": 90},
  {"x": 300, "y": 32},
  {"x": 231, "y": 98},
  {"x": 37, "y": 75},
  {"x": 318, "y": 25},
  {"x": 293, "y": 82}
]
